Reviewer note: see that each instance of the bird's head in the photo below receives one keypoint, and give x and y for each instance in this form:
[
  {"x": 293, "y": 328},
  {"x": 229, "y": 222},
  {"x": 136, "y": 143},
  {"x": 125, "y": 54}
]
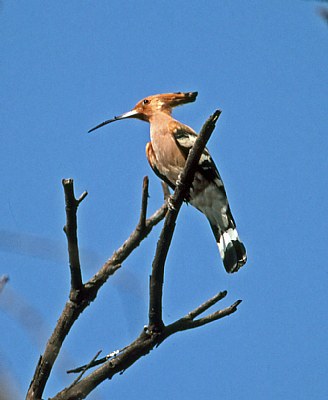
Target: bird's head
[{"x": 151, "y": 105}]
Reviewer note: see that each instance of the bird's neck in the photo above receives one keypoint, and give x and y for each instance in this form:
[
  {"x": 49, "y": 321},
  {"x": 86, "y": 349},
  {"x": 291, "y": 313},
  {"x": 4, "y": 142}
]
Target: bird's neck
[
  {"x": 160, "y": 119},
  {"x": 161, "y": 126}
]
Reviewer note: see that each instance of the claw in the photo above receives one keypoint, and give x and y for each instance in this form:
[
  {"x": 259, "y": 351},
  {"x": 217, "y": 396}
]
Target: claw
[{"x": 179, "y": 183}]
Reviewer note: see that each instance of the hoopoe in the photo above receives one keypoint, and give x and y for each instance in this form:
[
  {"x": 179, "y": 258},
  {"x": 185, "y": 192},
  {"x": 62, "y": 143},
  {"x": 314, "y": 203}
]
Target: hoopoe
[{"x": 167, "y": 152}]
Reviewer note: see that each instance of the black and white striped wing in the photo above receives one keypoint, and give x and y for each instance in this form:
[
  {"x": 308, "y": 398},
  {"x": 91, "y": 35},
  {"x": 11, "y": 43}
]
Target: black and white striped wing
[
  {"x": 209, "y": 196},
  {"x": 185, "y": 138}
]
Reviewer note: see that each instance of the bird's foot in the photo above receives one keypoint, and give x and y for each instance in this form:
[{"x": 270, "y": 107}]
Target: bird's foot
[
  {"x": 178, "y": 181},
  {"x": 170, "y": 203}
]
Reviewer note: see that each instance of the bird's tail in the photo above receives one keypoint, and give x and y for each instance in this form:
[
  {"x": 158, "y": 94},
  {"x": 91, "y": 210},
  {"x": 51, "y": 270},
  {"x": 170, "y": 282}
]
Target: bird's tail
[{"x": 232, "y": 250}]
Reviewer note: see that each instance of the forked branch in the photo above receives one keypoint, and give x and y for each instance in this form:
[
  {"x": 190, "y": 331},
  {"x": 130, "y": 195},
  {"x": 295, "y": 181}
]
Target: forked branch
[
  {"x": 81, "y": 295},
  {"x": 123, "y": 359},
  {"x": 156, "y": 332}
]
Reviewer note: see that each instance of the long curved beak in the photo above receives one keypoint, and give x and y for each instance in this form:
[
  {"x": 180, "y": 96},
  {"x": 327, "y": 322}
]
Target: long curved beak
[{"x": 129, "y": 114}]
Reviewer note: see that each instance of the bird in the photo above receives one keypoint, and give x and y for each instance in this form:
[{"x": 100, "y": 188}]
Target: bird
[{"x": 167, "y": 151}]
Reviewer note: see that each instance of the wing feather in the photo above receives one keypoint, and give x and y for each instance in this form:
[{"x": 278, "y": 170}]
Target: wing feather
[{"x": 185, "y": 138}]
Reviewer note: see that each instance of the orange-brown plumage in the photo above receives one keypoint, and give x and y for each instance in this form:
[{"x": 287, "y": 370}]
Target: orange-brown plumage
[{"x": 167, "y": 152}]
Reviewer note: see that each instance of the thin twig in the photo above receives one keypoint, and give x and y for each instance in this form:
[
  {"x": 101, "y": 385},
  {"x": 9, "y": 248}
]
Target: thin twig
[
  {"x": 96, "y": 362},
  {"x": 216, "y": 315},
  {"x": 84, "y": 369},
  {"x": 207, "y": 304},
  {"x": 189, "y": 321}
]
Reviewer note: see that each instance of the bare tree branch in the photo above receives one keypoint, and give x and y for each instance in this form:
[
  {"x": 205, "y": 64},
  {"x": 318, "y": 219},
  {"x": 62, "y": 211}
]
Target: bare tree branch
[
  {"x": 144, "y": 203},
  {"x": 87, "y": 293},
  {"x": 140, "y": 347},
  {"x": 141, "y": 232},
  {"x": 206, "y": 305},
  {"x": 184, "y": 323},
  {"x": 163, "y": 244},
  {"x": 156, "y": 332},
  {"x": 71, "y": 233},
  {"x": 189, "y": 321}
]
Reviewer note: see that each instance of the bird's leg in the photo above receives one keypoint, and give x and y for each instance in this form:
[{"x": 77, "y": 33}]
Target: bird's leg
[
  {"x": 170, "y": 199},
  {"x": 179, "y": 183}
]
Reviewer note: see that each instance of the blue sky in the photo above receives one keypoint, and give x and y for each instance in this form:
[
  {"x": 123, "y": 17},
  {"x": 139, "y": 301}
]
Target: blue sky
[{"x": 67, "y": 66}]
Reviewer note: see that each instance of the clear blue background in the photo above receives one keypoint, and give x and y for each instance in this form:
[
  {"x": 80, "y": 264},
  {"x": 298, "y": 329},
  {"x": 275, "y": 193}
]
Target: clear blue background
[{"x": 67, "y": 66}]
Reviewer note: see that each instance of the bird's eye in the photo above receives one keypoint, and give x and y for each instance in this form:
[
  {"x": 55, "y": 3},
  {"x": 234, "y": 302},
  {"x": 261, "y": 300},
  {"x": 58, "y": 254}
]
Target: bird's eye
[{"x": 146, "y": 101}]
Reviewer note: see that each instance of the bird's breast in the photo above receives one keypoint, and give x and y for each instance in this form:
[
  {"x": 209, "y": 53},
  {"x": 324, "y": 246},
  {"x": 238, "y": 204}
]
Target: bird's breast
[{"x": 169, "y": 159}]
